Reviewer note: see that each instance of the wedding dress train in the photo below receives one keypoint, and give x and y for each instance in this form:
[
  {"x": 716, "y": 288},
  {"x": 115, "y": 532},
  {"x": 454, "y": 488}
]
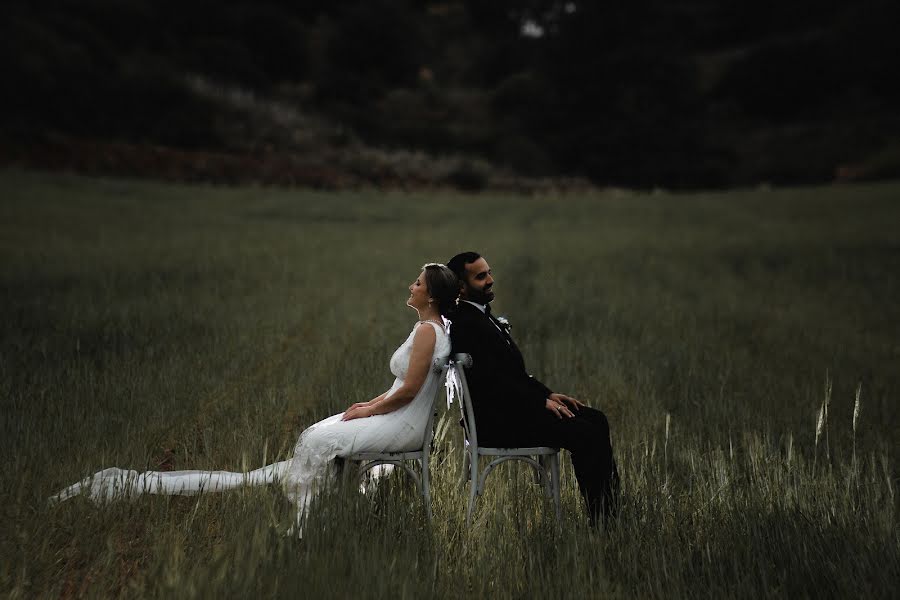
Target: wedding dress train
[{"x": 314, "y": 453}]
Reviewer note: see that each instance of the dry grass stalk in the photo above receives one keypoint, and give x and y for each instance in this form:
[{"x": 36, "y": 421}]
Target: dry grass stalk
[
  {"x": 856, "y": 422},
  {"x": 668, "y": 424},
  {"x": 820, "y": 424}
]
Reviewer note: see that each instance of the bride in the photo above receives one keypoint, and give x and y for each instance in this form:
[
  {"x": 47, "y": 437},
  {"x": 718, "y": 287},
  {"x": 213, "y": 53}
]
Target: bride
[{"x": 394, "y": 421}]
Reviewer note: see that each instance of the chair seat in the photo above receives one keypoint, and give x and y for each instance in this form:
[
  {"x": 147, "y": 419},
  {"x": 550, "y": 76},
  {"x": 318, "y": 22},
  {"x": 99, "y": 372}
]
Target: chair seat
[
  {"x": 536, "y": 451},
  {"x": 412, "y": 455}
]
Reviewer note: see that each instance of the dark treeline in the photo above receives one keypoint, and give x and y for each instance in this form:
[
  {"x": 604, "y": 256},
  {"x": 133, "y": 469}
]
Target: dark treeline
[{"x": 647, "y": 92}]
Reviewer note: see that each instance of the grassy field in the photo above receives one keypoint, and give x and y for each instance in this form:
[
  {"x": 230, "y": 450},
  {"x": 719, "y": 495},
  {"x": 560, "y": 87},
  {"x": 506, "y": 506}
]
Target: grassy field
[{"x": 173, "y": 327}]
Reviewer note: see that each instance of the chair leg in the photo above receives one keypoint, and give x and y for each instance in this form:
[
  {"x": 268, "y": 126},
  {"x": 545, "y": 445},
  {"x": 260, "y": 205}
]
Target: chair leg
[
  {"x": 464, "y": 473},
  {"x": 546, "y": 475},
  {"x": 473, "y": 487},
  {"x": 554, "y": 485},
  {"x": 426, "y": 489}
]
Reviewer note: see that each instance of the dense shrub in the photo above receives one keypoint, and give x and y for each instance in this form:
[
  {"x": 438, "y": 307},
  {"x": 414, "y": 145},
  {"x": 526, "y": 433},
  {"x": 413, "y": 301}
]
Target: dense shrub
[
  {"x": 468, "y": 176},
  {"x": 641, "y": 94}
]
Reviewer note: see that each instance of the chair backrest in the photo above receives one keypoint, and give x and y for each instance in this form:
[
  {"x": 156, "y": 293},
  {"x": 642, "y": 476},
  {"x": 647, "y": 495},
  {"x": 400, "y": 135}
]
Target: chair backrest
[
  {"x": 440, "y": 367},
  {"x": 460, "y": 363}
]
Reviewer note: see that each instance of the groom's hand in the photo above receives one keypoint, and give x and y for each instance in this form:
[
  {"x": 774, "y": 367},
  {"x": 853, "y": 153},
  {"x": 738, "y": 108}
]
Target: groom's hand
[
  {"x": 557, "y": 407},
  {"x": 572, "y": 402},
  {"x": 562, "y": 405}
]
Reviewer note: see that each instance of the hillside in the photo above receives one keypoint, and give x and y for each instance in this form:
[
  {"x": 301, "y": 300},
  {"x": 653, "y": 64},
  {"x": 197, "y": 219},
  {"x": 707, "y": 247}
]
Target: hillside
[{"x": 693, "y": 94}]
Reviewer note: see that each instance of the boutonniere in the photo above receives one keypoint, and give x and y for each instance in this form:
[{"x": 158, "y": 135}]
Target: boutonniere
[{"x": 504, "y": 324}]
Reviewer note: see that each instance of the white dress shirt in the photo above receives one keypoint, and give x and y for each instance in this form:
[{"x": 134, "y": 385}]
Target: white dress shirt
[{"x": 482, "y": 308}]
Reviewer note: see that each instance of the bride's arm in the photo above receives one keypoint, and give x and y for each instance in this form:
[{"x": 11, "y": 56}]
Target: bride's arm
[
  {"x": 365, "y": 404},
  {"x": 419, "y": 364}
]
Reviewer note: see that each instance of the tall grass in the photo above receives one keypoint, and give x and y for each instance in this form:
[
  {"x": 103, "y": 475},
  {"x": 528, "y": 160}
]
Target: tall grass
[{"x": 155, "y": 326}]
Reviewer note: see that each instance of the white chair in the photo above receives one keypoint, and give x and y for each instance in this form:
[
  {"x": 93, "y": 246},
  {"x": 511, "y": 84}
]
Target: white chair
[
  {"x": 369, "y": 460},
  {"x": 545, "y": 460}
]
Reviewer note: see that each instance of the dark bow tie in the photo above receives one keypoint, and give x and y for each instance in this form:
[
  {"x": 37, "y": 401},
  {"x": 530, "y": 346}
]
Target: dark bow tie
[{"x": 487, "y": 309}]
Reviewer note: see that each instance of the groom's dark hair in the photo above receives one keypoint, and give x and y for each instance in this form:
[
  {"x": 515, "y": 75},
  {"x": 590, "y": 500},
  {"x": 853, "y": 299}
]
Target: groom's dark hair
[{"x": 458, "y": 263}]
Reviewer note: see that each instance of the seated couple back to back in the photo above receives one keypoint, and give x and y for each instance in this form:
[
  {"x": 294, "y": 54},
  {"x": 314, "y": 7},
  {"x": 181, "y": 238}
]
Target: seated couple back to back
[{"x": 511, "y": 407}]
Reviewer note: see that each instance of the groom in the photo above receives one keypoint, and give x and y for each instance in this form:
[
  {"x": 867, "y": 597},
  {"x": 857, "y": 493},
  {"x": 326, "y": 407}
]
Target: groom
[{"x": 512, "y": 408}]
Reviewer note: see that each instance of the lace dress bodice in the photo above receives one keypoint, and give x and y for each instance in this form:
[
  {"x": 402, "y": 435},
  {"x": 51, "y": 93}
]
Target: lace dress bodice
[{"x": 400, "y": 359}]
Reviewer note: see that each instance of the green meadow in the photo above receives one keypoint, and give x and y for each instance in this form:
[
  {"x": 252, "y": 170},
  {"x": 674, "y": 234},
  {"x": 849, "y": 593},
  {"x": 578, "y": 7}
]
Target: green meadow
[{"x": 156, "y": 326}]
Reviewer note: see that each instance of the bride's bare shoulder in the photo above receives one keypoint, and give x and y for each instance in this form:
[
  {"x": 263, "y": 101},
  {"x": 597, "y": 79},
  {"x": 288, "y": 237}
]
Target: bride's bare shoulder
[
  {"x": 424, "y": 335},
  {"x": 424, "y": 330}
]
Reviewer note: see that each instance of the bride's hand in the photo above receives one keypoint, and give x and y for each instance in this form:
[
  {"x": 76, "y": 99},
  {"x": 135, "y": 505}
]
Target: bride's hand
[
  {"x": 357, "y": 412},
  {"x": 356, "y": 405}
]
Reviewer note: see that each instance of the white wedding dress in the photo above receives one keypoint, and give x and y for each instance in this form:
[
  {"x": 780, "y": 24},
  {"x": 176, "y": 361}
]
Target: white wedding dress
[{"x": 314, "y": 453}]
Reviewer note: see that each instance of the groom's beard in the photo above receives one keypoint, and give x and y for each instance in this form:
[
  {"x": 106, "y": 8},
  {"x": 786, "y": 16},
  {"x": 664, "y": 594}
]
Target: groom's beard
[{"x": 479, "y": 296}]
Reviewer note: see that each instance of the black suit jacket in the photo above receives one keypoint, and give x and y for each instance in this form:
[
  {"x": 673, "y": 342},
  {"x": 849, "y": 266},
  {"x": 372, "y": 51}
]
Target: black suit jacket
[{"x": 504, "y": 395}]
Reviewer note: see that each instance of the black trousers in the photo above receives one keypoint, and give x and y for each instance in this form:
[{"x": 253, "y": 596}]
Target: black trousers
[{"x": 586, "y": 436}]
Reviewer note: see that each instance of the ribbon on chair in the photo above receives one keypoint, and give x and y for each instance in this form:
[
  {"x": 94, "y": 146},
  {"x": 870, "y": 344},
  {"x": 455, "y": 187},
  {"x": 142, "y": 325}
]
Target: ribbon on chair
[{"x": 454, "y": 387}]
